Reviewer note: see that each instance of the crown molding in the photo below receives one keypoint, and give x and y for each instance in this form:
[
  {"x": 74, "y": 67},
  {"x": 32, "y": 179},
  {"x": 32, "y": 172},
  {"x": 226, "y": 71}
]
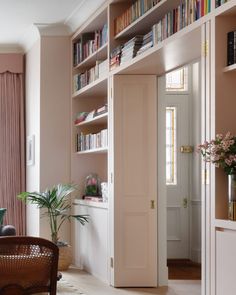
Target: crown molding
[
  {"x": 11, "y": 48},
  {"x": 83, "y": 11},
  {"x": 35, "y": 31}
]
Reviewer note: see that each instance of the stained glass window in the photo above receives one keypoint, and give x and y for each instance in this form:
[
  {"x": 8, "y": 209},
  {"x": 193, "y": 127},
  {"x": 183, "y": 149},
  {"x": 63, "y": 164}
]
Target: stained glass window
[
  {"x": 177, "y": 80},
  {"x": 171, "y": 178}
]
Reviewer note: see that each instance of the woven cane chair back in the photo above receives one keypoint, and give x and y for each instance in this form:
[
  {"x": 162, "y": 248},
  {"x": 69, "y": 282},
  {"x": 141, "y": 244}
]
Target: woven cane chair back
[{"x": 28, "y": 265}]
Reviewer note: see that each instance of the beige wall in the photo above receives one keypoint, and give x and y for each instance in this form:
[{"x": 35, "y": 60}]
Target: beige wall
[
  {"x": 32, "y": 89},
  {"x": 54, "y": 117},
  {"x": 48, "y": 118}
]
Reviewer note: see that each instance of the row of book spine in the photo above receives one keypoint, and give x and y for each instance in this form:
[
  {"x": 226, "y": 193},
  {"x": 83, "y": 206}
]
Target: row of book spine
[
  {"x": 137, "y": 9},
  {"x": 220, "y": 2},
  {"x": 83, "y": 79},
  {"x": 88, "y": 44},
  {"x": 185, "y": 14},
  {"x": 91, "y": 141},
  {"x": 231, "y": 48}
]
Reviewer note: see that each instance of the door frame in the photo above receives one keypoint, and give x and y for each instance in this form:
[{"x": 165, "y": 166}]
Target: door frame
[{"x": 207, "y": 178}]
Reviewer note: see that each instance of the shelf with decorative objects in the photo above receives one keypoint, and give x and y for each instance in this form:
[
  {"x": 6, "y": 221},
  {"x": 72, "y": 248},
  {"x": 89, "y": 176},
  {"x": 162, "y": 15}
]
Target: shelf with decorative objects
[{"x": 101, "y": 119}]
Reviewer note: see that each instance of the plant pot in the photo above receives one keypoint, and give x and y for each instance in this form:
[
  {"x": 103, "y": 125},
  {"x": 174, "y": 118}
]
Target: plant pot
[
  {"x": 232, "y": 197},
  {"x": 65, "y": 257}
]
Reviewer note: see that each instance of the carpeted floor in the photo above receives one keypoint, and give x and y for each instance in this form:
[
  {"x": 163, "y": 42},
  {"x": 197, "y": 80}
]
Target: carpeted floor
[
  {"x": 183, "y": 269},
  {"x": 66, "y": 288}
]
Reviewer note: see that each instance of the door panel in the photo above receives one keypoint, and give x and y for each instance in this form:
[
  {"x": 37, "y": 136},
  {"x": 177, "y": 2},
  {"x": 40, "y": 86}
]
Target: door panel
[
  {"x": 178, "y": 192},
  {"x": 135, "y": 180}
]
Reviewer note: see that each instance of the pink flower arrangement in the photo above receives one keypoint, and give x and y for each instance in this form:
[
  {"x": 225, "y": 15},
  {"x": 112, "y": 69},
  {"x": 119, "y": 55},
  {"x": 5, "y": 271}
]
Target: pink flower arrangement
[{"x": 221, "y": 152}]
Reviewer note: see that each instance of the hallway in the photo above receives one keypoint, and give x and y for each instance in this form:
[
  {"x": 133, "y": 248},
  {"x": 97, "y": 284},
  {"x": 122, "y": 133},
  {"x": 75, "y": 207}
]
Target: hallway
[{"x": 92, "y": 286}]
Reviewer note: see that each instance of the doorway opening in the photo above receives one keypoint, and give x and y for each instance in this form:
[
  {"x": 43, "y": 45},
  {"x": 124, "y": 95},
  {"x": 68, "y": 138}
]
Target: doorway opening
[{"x": 180, "y": 107}]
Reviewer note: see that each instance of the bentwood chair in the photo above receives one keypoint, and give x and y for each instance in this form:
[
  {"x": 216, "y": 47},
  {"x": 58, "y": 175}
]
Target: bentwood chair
[{"x": 28, "y": 265}]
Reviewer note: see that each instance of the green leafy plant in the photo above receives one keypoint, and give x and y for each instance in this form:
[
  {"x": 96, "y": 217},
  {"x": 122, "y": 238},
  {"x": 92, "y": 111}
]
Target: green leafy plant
[{"x": 57, "y": 203}]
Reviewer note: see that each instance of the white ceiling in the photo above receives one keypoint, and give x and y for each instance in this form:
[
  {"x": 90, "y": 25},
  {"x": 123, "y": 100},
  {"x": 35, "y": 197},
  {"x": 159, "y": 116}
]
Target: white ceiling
[{"x": 18, "y": 16}]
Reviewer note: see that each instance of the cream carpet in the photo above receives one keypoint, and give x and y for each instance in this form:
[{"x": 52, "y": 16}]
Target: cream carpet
[{"x": 66, "y": 288}]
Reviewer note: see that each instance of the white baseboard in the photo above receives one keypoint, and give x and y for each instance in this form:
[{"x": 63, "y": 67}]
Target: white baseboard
[{"x": 196, "y": 255}]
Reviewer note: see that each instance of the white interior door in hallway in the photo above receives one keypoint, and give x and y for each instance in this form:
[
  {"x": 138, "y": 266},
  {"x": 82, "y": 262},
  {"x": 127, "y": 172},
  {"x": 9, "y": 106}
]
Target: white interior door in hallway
[{"x": 176, "y": 104}]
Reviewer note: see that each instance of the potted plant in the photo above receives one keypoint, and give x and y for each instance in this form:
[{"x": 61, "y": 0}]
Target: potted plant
[
  {"x": 221, "y": 152},
  {"x": 57, "y": 204}
]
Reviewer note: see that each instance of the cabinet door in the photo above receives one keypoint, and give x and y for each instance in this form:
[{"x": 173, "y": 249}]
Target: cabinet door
[
  {"x": 225, "y": 262},
  {"x": 134, "y": 145}
]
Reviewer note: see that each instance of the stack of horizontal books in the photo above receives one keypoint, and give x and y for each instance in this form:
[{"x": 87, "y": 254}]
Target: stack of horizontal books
[
  {"x": 131, "y": 48},
  {"x": 147, "y": 43},
  {"x": 115, "y": 57}
]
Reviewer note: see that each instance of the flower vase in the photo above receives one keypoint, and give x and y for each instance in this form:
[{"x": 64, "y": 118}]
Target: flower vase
[{"x": 232, "y": 196}]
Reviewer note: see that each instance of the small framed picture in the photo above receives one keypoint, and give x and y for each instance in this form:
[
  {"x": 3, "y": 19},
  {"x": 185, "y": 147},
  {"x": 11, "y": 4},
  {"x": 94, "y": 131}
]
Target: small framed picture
[{"x": 30, "y": 150}]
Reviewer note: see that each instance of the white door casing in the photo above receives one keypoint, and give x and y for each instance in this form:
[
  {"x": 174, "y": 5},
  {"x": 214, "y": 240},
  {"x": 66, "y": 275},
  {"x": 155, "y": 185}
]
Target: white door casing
[{"x": 134, "y": 170}]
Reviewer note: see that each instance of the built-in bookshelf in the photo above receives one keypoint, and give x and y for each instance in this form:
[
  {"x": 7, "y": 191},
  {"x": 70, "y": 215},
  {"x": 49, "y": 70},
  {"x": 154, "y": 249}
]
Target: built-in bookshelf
[
  {"x": 89, "y": 99},
  {"x": 230, "y": 68},
  {"x": 164, "y": 32},
  {"x": 151, "y": 25},
  {"x": 225, "y": 76},
  {"x": 218, "y": 3},
  {"x": 90, "y": 53},
  {"x": 100, "y": 119}
]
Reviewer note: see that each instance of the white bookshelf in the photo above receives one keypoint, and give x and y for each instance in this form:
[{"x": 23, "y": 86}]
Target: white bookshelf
[
  {"x": 144, "y": 23},
  {"x": 94, "y": 151},
  {"x": 97, "y": 87},
  {"x": 225, "y": 224},
  {"x": 179, "y": 49},
  {"x": 230, "y": 68},
  {"x": 101, "y": 119},
  {"x": 100, "y": 54}
]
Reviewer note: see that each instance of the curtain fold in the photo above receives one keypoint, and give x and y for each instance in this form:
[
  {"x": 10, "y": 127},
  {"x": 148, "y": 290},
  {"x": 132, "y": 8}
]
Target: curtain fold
[{"x": 12, "y": 149}]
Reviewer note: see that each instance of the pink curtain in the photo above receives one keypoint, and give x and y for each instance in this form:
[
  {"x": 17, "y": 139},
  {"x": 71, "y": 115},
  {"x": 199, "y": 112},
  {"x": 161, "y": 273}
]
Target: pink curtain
[{"x": 12, "y": 148}]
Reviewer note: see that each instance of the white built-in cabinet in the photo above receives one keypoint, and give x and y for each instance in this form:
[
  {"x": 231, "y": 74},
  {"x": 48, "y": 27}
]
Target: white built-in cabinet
[{"x": 123, "y": 243}]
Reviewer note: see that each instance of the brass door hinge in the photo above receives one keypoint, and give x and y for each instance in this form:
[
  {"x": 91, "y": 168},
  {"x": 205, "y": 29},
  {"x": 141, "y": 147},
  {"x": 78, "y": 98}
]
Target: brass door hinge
[
  {"x": 152, "y": 204},
  {"x": 205, "y": 176},
  {"x": 205, "y": 48}
]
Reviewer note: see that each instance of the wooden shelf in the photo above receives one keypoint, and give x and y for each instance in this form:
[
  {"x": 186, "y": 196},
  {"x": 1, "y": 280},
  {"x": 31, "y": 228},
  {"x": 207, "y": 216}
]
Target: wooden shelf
[
  {"x": 95, "y": 22},
  {"x": 100, "y": 54},
  {"x": 226, "y": 9},
  {"x": 148, "y": 19},
  {"x": 164, "y": 57},
  {"x": 230, "y": 68},
  {"x": 226, "y": 224},
  {"x": 101, "y": 119},
  {"x": 94, "y": 151},
  {"x": 96, "y": 88},
  {"x": 102, "y": 205}
]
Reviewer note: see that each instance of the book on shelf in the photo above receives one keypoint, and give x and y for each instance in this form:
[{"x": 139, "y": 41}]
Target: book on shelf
[
  {"x": 231, "y": 48},
  {"x": 86, "y": 142},
  {"x": 83, "y": 79},
  {"x": 93, "y": 198},
  {"x": 115, "y": 57},
  {"x": 103, "y": 68},
  {"x": 130, "y": 48},
  {"x": 81, "y": 117},
  {"x": 89, "y": 43},
  {"x": 146, "y": 43},
  {"x": 102, "y": 110},
  {"x": 186, "y": 13},
  {"x": 220, "y": 2},
  {"x": 137, "y": 9}
]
